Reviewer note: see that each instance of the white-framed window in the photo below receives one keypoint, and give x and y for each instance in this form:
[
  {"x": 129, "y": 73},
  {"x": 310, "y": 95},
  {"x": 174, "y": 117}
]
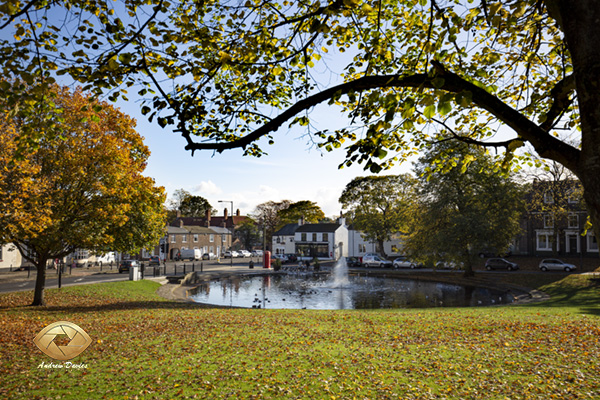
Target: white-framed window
[
  {"x": 211, "y": 238},
  {"x": 325, "y": 237},
  {"x": 278, "y": 240},
  {"x": 362, "y": 248},
  {"x": 173, "y": 239},
  {"x": 544, "y": 241},
  {"x": 573, "y": 220},
  {"x": 195, "y": 238},
  {"x": 592, "y": 243},
  {"x": 548, "y": 221},
  {"x": 548, "y": 197},
  {"x": 223, "y": 238},
  {"x": 183, "y": 238}
]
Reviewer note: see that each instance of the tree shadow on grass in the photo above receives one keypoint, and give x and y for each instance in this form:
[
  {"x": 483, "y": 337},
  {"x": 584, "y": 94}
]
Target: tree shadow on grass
[{"x": 115, "y": 306}]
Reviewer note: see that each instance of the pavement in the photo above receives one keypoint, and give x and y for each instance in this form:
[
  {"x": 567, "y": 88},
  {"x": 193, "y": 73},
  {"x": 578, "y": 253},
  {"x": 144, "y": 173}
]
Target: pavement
[{"x": 14, "y": 281}]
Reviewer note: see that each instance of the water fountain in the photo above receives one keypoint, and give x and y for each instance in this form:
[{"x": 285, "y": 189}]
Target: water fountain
[{"x": 339, "y": 276}]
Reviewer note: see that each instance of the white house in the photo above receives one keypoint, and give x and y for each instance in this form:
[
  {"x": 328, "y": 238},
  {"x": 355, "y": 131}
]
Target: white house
[
  {"x": 10, "y": 257},
  {"x": 283, "y": 239},
  {"x": 358, "y": 246},
  {"x": 324, "y": 241}
]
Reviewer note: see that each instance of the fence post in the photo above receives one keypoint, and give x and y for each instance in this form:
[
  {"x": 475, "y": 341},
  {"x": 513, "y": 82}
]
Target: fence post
[
  {"x": 184, "y": 268},
  {"x": 201, "y": 267}
]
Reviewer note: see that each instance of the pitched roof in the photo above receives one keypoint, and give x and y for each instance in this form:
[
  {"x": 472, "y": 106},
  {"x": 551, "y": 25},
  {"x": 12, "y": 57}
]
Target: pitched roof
[
  {"x": 287, "y": 230},
  {"x": 318, "y": 228}
]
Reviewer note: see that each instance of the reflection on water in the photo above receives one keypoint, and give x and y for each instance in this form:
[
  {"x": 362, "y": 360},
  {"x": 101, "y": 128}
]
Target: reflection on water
[{"x": 318, "y": 292}]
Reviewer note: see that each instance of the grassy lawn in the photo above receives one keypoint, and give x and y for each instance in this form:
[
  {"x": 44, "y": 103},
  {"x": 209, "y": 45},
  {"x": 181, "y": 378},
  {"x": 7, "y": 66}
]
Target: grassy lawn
[{"x": 148, "y": 348}]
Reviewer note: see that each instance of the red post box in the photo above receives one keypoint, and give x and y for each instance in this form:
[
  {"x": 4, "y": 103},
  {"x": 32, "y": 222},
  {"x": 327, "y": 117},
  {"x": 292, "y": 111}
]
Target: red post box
[{"x": 267, "y": 259}]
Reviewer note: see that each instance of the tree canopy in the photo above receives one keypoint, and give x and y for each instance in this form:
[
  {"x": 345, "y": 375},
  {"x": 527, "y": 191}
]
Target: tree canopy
[
  {"x": 307, "y": 210},
  {"x": 379, "y": 206},
  {"x": 83, "y": 189},
  {"x": 226, "y": 73},
  {"x": 464, "y": 211}
]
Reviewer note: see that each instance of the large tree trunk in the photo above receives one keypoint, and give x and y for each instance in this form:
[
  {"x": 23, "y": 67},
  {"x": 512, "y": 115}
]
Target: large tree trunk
[
  {"x": 40, "y": 283},
  {"x": 579, "y": 20}
]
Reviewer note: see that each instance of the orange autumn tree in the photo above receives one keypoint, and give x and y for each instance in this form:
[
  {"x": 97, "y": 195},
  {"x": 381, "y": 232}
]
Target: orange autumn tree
[{"x": 81, "y": 187}]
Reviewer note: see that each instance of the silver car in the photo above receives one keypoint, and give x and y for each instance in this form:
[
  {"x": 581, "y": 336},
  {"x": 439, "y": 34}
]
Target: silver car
[{"x": 550, "y": 264}]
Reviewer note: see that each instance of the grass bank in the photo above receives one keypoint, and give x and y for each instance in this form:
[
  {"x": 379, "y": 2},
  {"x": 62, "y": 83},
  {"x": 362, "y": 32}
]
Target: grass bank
[{"x": 147, "y": 348}]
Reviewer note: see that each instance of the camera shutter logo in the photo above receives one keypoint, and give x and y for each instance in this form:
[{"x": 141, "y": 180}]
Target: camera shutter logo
[{"x": 79, "y": 340}]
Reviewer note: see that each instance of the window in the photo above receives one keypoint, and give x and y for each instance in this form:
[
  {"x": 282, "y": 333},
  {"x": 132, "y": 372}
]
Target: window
[
  {"x": 223, "y": 238},
  {"x": 195, "y": 238},
  {"x": 592, "y": 243},
  {"x": 278, "y": 240},
  {"x": 173, "y": 239},
  {"x": 291, "y": 239},
  {"x": 548, "y": 197},
  {"x": 573, "y": 220},
  {"x": 211, "y": 238},
  {"x": 183, "y": 238},
  {"x": 544, "y": 241},
  {"x": 362, "y": 248},
  {"x": 325, "y": 237},
  {"x": 303, "y": 237},
  {"x": 548, "y": 221},
  {"x": 314, "y": 237}
]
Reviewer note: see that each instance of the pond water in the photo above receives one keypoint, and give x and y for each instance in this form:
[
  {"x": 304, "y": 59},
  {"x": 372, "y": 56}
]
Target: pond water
[{"x": 324, "y": 292}]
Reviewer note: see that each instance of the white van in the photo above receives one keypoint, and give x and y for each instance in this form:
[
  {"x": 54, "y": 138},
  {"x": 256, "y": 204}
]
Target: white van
[{"x": 190, "y": 254}]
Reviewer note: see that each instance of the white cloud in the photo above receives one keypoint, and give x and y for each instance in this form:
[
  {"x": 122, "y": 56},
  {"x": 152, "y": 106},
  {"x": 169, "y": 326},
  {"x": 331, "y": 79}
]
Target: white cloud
[{"x": 207, "y": 188}]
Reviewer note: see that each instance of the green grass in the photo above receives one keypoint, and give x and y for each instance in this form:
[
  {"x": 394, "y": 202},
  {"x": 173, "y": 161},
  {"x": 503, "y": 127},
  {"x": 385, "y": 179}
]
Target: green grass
[{"x": 148, "y": 348}]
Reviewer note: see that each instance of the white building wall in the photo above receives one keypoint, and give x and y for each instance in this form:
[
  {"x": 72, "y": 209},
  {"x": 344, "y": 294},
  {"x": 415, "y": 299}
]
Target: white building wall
[{"x": 10, "y": 257}]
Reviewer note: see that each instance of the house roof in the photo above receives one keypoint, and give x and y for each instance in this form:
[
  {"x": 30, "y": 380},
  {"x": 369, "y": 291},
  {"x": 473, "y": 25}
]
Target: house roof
[
  {"x": 318, "y": 228},
  {"x": 287, "y": 230},
  {"x": 214, "y": 221},
  {"x": 172, "y": 230},
  {"x": 200, "y": 230}
]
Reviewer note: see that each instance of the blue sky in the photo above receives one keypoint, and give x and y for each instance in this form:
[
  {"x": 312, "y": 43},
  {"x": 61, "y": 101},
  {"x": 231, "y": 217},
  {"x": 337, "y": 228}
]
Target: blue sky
[{"x": 294, "y": 169}]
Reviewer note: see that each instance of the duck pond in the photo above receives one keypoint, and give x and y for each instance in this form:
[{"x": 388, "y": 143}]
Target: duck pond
[{"x": 334, "y": 292}]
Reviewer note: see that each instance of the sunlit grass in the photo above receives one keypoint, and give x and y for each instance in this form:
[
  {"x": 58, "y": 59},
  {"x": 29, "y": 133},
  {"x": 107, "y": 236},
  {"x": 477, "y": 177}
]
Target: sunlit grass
[{"x": 145, "y": 347}]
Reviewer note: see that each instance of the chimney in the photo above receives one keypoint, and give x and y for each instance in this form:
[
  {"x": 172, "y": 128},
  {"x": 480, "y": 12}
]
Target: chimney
[
  {"x": 237, "y": 212},
  {"x": 301, "y": 221},
  {"x": 225, "y": 214},
  {"x": 180, "y": 222},
  {"x": 208, "y": 218}
]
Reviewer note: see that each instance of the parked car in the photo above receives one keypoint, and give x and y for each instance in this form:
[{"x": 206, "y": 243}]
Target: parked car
[
  {"x": 209, "y": 256},
  {"x": 231, "y": 254},
  {"x": 556, "y": 265},
  {"x": 125, "y": 265},
  {"x": 282, "y": 257},
  {"x": 244, "y": 253},
  {"x": 154, "y": 260},
  {"x": 353, "y": 262},
  {"x": 189, "y": 254},
  {"x": 257, "y": 253},
  {"x": 500, "y": 263},
  {"x": 404, "y": 262},
  {"x": 291, "y": 257},
  {"x": 376, "y": 261}
]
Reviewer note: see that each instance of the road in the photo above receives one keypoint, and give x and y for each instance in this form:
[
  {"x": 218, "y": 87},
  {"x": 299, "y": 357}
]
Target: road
[{"x": 19, "y": 281}]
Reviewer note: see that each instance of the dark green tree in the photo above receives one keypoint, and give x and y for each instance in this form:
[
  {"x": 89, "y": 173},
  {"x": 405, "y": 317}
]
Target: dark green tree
[
  {"x": 194, "y": 206},
  {"x": 379, "y": 206},
  {"x": 464, "y": 205},
  {"x": 305, "y": 209},
  {"x": 248, "y": 234}
]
